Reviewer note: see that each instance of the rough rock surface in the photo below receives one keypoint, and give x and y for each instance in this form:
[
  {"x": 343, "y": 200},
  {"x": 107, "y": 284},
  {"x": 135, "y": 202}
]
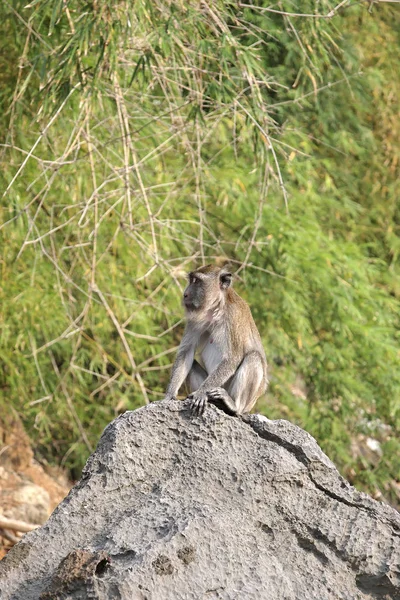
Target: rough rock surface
[{"x": 178, "y": 507}]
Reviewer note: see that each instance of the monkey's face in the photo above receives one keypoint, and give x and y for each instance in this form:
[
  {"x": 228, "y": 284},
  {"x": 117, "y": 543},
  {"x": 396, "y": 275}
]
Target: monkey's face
[
  {"x": 205, "y": 289},
  {"x": 194, "y": 295}
]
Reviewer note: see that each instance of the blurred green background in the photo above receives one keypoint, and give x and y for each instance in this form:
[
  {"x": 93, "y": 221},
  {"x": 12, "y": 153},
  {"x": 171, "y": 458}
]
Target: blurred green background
[{"x": 140, "y": 139}]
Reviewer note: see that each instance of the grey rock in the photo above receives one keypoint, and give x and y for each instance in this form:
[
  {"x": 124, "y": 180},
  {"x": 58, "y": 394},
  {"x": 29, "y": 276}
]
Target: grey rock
[{"x": 172, "y": 506}]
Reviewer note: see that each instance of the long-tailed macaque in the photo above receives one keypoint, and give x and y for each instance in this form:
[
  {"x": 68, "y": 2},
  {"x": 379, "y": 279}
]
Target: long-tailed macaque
[{"x": 221, "y": 329}]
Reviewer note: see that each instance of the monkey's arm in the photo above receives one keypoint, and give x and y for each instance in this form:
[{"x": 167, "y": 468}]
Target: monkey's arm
[
  {"x": 226, "y": 368},
  {"x": 182, "y": 365},
  {"x": 213, "y": 383}
]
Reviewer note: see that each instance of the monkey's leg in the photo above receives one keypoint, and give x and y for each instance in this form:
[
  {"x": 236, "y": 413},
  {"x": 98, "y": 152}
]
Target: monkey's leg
[
  {"x": 194, "y": 380},
  {"x": 196, "y": 376},
  {"x": 244, "y": 387}
]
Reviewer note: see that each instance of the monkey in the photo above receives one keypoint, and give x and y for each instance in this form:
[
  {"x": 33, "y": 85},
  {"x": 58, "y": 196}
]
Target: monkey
[{"x": 232, "y": 372}]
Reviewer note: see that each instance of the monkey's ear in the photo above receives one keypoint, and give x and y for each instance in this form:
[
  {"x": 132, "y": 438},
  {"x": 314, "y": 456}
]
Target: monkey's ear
[{"x": 225, "y": 280}]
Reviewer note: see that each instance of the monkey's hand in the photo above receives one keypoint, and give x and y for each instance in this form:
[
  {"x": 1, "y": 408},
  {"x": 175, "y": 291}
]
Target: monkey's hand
[{"x": 198, "y": 402}]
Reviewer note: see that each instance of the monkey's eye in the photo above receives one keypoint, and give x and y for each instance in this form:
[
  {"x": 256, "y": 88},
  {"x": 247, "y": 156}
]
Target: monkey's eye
[{"x": 194, "y": 280}]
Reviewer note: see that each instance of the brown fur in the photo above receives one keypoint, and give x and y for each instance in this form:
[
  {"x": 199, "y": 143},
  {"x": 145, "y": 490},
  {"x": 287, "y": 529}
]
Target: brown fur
[{"x": 221, "y": 328}]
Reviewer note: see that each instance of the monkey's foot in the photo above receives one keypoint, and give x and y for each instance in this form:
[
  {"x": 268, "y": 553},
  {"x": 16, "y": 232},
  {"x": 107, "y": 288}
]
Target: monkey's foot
[
  {"x": 220, "y": 397},
  {"x": 219, "y": 393},
  {"x": 198, "y": 402}
]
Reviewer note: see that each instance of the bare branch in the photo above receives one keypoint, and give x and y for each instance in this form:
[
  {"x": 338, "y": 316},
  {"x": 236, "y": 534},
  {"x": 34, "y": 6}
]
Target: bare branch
[{"x": 15, "y": 525}]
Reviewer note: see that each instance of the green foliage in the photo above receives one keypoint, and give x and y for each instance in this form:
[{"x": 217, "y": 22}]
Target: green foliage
[{"x": 143, "y": 137}]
